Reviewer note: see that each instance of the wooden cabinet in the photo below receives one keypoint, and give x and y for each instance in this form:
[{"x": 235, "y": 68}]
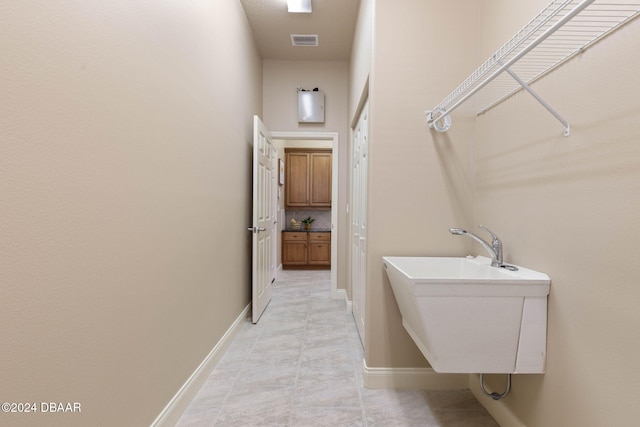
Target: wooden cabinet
[
  {"x": 319, "y": 248},
  {"x": 297, "y": 172},
  {"x": 294, "y": 248},
  {"x": 308, "y": 179},
  {"x": 306, "y": 249},
  {"x": 320, "y": 180}
]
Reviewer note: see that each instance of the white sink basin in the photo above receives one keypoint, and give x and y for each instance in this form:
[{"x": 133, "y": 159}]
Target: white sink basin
[
  {"x": 469, "y": 317},
  {"x": 483, "y": 279}
]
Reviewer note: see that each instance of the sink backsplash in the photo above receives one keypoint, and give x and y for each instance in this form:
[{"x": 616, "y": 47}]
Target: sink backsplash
[{"x": 322, "y": 218}]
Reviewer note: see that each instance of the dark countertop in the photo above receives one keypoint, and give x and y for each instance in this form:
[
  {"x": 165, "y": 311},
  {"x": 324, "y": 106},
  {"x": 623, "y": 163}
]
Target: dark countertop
[{"x": 313, "y": 230}]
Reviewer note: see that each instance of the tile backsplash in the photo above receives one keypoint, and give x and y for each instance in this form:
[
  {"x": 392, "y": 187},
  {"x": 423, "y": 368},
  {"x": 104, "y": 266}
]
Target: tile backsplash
[{"x": 322, "y": 218}]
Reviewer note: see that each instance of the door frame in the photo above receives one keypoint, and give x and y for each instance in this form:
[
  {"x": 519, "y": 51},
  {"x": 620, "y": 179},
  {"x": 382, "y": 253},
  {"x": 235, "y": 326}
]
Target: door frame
[{"x": 335, "y": 142}]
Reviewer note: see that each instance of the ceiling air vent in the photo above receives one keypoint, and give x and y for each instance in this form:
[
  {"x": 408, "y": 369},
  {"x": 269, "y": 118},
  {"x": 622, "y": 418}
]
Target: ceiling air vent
[{"x": 304, "y": 39}]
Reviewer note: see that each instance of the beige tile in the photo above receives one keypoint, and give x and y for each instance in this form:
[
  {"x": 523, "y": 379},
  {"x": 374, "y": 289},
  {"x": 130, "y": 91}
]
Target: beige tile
[
  {"x": 245, "y": 416},
  {"x": 258, "y": 399},
  {"x": 327, "y": 417},
  {"x": 309, "y": 375},
  {"x": 214, "y": 391},
  {"x": 272, "y": 377},
  {"x": 302, "y": 366},
  {"x": 460, "y": 399},
  {"x": 326, "y": 391},
  {"x": 200, "y": 417},
  {"x": 396, "y": 407}
]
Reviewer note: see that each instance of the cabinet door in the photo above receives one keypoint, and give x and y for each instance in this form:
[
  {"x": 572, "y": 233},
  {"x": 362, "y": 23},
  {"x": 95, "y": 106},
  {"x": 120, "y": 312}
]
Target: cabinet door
[
  {"x": 319, "y": 248},
  {"x": 320, "y": 182},
  {"x": 294, "y": 253},
  {"x": 319, "y": 253},
  {"x": 297, "y": 180}
]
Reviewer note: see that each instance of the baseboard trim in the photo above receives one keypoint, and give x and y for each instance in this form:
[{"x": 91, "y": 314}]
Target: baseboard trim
[
  {"x": 496, "y": 408},
  {"x": 349, "y": 306},
  {"x": 341, "y": 294},
  {"x": 176, "y": 406},
  {"x": 411, "y": 379}
]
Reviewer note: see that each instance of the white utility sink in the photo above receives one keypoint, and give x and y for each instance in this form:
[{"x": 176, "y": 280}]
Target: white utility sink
[{"x": 467, "y": 316}]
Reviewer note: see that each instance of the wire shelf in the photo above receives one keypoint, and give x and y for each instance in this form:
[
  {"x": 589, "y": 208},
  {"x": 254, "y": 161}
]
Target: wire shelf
[{"x": 561, "y": 30}]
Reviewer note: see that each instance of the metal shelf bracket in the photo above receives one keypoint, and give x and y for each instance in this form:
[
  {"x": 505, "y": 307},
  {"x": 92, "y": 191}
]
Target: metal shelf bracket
[{"x": 525, "y": 86}]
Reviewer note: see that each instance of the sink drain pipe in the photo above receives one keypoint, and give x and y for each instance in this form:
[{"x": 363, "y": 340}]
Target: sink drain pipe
[{"x": 494, "y": 395}]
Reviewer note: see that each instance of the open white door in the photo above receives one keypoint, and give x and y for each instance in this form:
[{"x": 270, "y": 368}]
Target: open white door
[{"x": 264, "y": 220}]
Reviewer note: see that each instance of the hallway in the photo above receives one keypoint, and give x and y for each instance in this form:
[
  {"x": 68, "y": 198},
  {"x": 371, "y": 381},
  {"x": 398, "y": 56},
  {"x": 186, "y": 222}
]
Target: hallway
[{"x": 301, "y": 366}]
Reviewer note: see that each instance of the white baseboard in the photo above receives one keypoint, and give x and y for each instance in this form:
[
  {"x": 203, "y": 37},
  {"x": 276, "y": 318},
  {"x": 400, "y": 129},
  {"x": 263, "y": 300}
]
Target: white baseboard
[
  {"x": 341, "y": 294},
  {"x": 176, "y": 406},
  {"x": 497, "y": 408},
  {"x": 412, "y": 379}
]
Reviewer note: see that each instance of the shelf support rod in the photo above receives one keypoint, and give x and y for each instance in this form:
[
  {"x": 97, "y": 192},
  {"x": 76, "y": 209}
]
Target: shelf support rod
[
  {"x": 542, "y": 37},
  {"x": 525, "y": 86}
]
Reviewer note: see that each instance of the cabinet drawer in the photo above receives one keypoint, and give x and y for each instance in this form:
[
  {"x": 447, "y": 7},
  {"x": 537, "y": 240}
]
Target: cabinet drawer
[
  {"x": 320, "y": 237},
  {"x": 299, "y": 236}
]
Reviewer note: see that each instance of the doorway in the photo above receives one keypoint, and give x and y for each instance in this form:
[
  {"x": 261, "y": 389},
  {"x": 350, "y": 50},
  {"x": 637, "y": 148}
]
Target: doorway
[{"x": 320, "y": 140}]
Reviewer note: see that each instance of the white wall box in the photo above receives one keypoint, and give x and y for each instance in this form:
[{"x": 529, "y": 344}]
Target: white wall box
[{"x": 310, "y": 107}]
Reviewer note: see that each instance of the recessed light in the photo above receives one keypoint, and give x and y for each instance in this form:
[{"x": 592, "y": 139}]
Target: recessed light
[{"x": 299, "y": 6}]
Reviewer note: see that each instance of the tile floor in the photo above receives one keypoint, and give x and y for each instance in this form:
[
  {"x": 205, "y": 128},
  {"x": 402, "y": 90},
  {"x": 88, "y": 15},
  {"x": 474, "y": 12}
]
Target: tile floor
[{"x": 301, "y": 366}]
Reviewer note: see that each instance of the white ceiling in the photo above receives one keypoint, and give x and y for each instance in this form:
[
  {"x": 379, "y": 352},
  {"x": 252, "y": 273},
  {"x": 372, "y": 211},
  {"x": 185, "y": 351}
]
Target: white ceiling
[{"x": 333, "y": 21}]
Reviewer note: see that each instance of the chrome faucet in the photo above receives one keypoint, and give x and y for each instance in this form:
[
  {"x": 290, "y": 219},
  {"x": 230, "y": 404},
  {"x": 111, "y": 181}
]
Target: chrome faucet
[{"x": 495, "y": 248}]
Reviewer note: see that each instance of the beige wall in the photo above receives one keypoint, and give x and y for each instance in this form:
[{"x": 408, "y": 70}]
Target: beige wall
[
  {"x": 420, "y": 183},
  {"x": 125, "y": 166},
  {"x": 361, "y": 52},
  {"x": 280, "y": 106},
  {"x": 280, "y": 100},
  {"x": 570, "y": 207}
]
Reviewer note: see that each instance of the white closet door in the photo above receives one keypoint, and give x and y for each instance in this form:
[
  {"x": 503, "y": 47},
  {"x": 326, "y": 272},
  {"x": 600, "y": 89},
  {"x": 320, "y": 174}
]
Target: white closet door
[{"x": 359, "y": 219}]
